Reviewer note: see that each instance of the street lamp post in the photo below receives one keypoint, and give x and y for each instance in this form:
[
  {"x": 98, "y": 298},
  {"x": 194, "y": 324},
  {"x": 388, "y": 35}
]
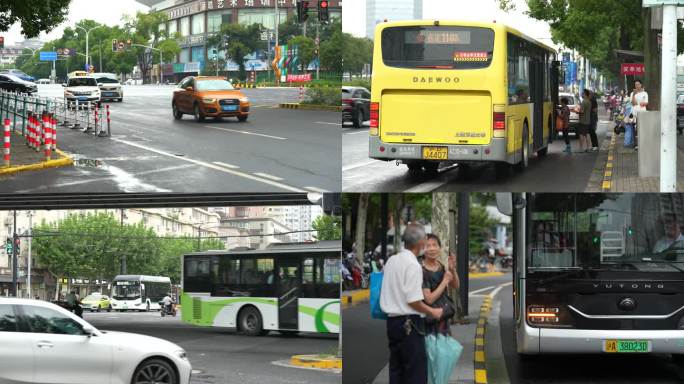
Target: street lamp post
[
  {"x": 87, "y": 31},
  {"x": 161, "y": 72}
]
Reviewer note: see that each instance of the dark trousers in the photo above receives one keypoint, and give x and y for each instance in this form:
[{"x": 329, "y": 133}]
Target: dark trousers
[
  {"x": 592, "y": 132},
  {"x": 566, "y": 135},
  {"x": 408, "y": 361}
]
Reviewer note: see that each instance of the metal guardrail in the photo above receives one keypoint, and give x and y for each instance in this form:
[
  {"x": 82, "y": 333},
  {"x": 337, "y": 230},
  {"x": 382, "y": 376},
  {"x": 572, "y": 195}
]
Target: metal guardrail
[{"x": 89, "y": 117}]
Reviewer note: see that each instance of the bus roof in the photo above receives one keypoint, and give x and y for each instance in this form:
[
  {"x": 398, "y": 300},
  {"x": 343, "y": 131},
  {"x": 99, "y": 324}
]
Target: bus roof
[
  {"x": 493, "y": 25},
  {"x": 321, "y": 246},
  {"x": 160, "y": 279}
]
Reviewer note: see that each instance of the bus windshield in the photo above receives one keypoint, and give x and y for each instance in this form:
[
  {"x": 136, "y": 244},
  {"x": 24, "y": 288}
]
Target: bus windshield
[
  {"x": 437, "y": 47},
  {"x": 623, "y": 232},
  {"x": 126, "y": 290}
]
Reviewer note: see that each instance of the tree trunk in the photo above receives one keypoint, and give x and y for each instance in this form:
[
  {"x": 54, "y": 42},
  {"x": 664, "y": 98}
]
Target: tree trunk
[
  {"x": 361, "y": 227},
  {"x": 396, "y": 221},
  {"x": 443, "y": 222},
  {"x": 652, "y": 62}
]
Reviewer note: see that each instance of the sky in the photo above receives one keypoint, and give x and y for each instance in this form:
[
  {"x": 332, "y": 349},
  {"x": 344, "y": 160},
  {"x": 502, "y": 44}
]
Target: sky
[
  {"x": 480, "y": 10},
  {"x": 107, "y": 12}
]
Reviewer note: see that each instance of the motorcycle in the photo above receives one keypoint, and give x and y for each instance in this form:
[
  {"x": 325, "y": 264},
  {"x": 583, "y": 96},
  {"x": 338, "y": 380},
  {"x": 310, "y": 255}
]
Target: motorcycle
[{"x": 167, "y": 309}]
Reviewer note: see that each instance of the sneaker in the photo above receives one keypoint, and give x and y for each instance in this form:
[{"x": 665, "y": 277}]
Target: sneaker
[{"x": 594, "y": 149}]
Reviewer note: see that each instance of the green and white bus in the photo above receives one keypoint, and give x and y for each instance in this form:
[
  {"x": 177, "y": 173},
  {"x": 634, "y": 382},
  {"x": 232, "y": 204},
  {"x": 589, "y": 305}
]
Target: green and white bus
[
  {"x": 139, "y": 292},
  {"x": 286, "y": 287}
]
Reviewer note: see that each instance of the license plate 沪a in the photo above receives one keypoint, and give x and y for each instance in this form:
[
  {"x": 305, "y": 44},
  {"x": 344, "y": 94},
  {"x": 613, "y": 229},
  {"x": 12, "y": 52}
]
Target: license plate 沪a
[
  {"x": 626, "y": 346},
  {"x": 229, "y": 108},
  {"x": 435, "y": 153}
]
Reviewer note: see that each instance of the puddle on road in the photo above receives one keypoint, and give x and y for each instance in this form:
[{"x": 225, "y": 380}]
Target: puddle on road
[{"x": 125, "y": 181}]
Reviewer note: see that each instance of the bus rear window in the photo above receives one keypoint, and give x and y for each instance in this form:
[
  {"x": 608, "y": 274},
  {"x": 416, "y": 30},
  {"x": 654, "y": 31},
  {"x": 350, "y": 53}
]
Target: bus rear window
[{"x": 437, "y": 47}]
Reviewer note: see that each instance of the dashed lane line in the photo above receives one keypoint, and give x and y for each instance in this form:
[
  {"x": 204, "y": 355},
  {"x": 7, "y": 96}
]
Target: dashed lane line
[
  {"x": 326, "y": 122},
  {"x": 213, "y": 166},
  {"x": 221, "y": 163},
  {"x": 246, "y": 132},
  {"x": 355, "y": 133},
  {"x": 359, "y": 165},
  {"x": 266, "y": 175}
]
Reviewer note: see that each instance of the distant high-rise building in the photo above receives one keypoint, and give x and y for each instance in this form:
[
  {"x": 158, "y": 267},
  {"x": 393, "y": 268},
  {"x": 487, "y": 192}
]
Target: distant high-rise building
[{"x": 378, "y": 11}]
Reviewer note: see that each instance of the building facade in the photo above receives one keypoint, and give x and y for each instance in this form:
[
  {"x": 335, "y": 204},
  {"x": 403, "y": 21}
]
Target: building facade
[
  {"x": 263, "y": 231},
  {"x": 197, "y": 20},
  {"x": 378, "y": 11}
]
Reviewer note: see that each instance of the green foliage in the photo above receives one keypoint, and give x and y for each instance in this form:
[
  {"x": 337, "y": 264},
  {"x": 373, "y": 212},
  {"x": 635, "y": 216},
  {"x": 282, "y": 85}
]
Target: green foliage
[
  {"x": 355, "y": 53},
  {"x": 35, "y": 16},
  {"x": 93, "y": 245},
  {"x": 358, "y": 83},
  {"x": 322, "y": 96},
  {"x": 327, "y": 227},
  {"x": 237, "y": 41},
  {"x": 480, "y": 228},
  {"x": 143, "y": 29},
  {"x": 331, "y": 51},
  {"x": 306, "y": 49}
]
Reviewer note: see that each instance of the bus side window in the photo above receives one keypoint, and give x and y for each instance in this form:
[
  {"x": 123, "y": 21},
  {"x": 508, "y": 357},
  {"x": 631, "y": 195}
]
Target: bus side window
[{"x": 308, "y": 273}]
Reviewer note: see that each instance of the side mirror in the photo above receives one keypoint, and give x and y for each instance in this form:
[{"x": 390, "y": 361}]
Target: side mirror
[
  {"x": 88, "y": 330},
  {"x": 504, "y": 202},
  {"x": 189, "y": 89}
]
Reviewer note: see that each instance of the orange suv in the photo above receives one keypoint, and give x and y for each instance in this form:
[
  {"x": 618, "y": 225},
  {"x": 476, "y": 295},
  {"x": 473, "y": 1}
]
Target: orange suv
[{"x": 209, "y": 96}]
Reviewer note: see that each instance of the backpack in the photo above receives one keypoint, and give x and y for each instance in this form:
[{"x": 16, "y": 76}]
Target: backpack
[{"x": 375, "y": 288}]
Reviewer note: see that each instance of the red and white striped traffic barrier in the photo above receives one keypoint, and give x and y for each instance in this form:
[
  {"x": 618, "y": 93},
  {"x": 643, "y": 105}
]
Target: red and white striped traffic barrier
[
  {"x": 108, "y": 120},
  {"x": 97, "y": 117},
  {"x": 47, "y": 134},
  {"x": 301, "y": 93},
  {"x": 53, "y": 128},
  {"x": 6, "y": 151},
  {"x": 29, "y": 135}
]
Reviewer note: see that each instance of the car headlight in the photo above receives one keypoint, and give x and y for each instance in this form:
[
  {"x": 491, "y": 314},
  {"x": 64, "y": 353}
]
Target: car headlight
[
  {"x": 208, "y": 100},
  {"x": 181, "y": 354},
  {"x": 244, "y": 100}
]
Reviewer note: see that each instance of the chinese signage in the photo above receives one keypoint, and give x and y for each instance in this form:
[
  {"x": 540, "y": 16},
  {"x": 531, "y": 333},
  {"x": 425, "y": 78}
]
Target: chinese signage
[
  {"x": 48, "y": 56},
  {"x": 191, "y": 40},
  {"x": 205, "y": 5},
  {"x": 303, "y": 78},
  {"x": 632, "y": 69}
]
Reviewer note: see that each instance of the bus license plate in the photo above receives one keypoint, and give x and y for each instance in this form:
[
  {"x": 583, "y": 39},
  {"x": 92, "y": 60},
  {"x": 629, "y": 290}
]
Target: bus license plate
[
  {"x": 626, "y": 346},
  {"x": 435, "y": 153}
]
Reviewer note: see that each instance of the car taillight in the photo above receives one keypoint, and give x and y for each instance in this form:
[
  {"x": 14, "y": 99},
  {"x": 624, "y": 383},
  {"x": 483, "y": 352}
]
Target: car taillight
[
  {"x": 374, "y": 115},
  {"x": 499, "y": 121}
]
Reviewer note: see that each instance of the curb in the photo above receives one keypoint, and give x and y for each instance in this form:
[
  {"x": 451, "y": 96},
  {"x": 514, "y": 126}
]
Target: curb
[
  {"x": 479, "y": 363},
  {"x": 310, "y": 107},
  {"x": 317, "y": 361},
  {"x": 608, "y": 172},
  {"x": 63, "y": 161},
  {"x": 478, "y": 275},
  {"x": 356, "y": 297}
]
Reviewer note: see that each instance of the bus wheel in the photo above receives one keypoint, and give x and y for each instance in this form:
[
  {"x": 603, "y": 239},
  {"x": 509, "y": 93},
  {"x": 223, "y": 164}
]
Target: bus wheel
[
  {"x": 250, "y": 321},
  {"x": 525, "y": 161},
  {"x": 414, "y": 166}
]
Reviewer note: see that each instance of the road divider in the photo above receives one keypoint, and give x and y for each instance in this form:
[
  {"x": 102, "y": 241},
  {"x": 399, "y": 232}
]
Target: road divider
[
  {"x": 608, "y": 171},
  {"x": 317, "y": 361}
]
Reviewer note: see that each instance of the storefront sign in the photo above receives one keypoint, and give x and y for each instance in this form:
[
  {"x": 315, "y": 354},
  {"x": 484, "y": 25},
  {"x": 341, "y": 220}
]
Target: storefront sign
[
  {"x": 301, "y": 78},
  {"x": 632, "y": 69}
]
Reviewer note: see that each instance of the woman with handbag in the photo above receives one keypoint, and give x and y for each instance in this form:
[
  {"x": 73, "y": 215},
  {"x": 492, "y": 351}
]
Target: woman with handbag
[{"x": 442, "y": 350}]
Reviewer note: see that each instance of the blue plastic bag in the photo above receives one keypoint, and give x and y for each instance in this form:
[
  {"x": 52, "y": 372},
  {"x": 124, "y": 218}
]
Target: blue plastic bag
[
  {"x": 443, "y": 353},
  {"x": 629, "y": 135},
  {"x": 375, "y": 287}
]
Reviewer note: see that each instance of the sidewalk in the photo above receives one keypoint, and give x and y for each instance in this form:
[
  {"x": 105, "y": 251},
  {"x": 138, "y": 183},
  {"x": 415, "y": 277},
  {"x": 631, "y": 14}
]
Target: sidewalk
[
  {"x": 464, "y": 373},
  {"x": 620, "y": 169},
  {"x": 23, "y": 158}
]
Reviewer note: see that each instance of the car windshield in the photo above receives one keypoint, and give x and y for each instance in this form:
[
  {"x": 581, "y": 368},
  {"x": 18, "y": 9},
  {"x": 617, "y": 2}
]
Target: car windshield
[
  {"x": 346, "y": 93},
  {"x": 107, "y": 80},
  {"x": 82, "y": 82},
  {"x": 126, "y": 290},
  {"x": 93, "y": 298},
  {"x": 213, "y": 85},
  {"x": 606, "y": 231}
]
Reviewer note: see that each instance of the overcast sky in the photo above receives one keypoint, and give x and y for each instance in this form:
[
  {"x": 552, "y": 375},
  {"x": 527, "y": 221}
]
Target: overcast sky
[
  {"x": 107, "y": 12},
  {"x": 354, "y": 15}
]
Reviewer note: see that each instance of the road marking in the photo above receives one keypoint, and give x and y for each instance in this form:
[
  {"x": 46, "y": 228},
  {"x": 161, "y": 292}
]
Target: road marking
[
  {"x": 316, "y": 189},
  {"x": 350, "y": 167},
  {"x": 499, "y": 288},
  {"x": 480, "y": 290},
  {"x": 356, "y": 133},
  {"x": 213, "y": 166},
  {"x": 246, "y": 132},
  {"x": 266, "y": 175},
  {"x": 80, "y": 182},
  {"x": 325, "y": 122},
  {"x": 425, "y": 187},
  {"x": 231, "y": 166}
]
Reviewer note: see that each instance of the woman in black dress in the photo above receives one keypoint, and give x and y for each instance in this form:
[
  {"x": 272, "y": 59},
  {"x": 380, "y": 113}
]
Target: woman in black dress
[{"x": 436, "y": 279}]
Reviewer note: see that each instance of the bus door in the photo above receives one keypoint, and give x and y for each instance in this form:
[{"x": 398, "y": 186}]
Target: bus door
[
  {"x": 288, "y": 288},
  {"x": 537, "y": 98}
]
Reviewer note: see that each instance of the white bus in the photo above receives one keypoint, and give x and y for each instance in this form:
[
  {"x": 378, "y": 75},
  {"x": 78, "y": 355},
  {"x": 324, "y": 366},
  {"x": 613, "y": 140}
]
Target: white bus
[
  {"x": 597, "y": 273},
  {"x": 139, "y": 292},
  {"x": 286, "y": 287}
]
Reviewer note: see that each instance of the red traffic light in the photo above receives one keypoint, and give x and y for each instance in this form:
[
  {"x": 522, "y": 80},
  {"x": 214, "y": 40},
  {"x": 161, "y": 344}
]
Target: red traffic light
[{"x": 323, "y": 4}]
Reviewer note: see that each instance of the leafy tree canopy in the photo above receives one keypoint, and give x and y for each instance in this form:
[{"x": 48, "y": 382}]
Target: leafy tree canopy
[{"x": 35, "y": 16}]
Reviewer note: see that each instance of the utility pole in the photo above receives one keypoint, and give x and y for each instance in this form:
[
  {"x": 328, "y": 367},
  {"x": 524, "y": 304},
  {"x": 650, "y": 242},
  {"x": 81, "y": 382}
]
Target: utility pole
[
  {"x": 99, "y": 48},
  {"x": 14, "y": 257},
  {"x": 87, "y": 31},
  {"x": 30, "y": 237},
  {"x": 668, "y": 107},
  {"x": 318, "y": 48},
  {"x": 463, "y": 249}
]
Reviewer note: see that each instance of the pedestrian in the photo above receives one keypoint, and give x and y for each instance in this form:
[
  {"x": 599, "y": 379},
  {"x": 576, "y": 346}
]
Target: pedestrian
[
  {"x": 401, "y": 298},
  {"x": 594, "y": 122},
  {"x": 584, "y": 121},
  {"x": 436, "y": 279},
  {"x": 564, "y": 117},
  {"x": 639, "y": 100}
]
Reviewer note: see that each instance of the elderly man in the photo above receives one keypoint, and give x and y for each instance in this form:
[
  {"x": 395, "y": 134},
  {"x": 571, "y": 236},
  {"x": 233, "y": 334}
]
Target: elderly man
[
  {"x": 673, "y": 235},
  {"x": 401, "y": 297}
]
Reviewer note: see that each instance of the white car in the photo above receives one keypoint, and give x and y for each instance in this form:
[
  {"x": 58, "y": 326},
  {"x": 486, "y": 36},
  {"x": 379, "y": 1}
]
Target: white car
[
  {"x": 110, "y": 87},
  {"x": 82, "y": 89},
  {"x": 43, "y": 343}
]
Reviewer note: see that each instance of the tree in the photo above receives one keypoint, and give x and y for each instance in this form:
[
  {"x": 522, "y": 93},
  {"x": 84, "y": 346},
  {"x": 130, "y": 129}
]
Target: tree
[
  {"x": 360, "y": 238},
  {"x": 306, "y": 49},
  {"x": 143, "y": 29},
  {"x": 355, "y": 53},
  {"x": 327, "y": 227},
  {"x": 237, "y": 41},
  {"x": 331, "y": 52},
  {"x": 35, "y": 16}
]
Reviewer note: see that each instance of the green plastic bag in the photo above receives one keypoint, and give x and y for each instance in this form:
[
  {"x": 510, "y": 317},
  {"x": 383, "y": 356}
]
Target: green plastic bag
[{"x": 443, "y": 353}]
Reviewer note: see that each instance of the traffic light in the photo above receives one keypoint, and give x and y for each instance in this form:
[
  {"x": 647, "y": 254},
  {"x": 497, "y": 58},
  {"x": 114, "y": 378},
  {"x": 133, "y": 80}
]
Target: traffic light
[
  {"x": 302, "y": 10},
  {"x": 2, "y": 41},
  {"x": 8, "y": 246},
  {"x": 114, "y": 45},
  {"x": 17, "y": 243},
  {"x": 323, "y": 11}
]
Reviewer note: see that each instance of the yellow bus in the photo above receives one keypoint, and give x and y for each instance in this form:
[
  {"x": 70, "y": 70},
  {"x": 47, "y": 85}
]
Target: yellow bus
[{"x": 463, "y": 92}]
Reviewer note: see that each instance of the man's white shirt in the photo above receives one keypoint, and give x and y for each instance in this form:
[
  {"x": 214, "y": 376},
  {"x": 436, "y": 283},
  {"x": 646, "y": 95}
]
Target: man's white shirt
[
  {"x": 402, "y": 283},
  {"x": 665, "y": 243}
]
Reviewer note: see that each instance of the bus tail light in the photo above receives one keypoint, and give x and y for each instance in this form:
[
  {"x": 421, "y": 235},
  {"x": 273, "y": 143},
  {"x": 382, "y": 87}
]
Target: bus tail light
[
  {"x": 499, "y": 121},
  {"x": 374, "y": 118},
  {"x": 551, "y": 316}
]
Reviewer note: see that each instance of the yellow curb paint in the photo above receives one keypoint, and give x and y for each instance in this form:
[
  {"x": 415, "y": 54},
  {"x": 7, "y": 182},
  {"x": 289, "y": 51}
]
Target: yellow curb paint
[
  {"x": 484, "y": 274},
  {"x": 479, "y": 331},
  {"x": 479, "y": 341},
  {"x": 64, "y": 161},
  {"x": 610, "y": 157},
  {"x": 609, "y": 173},
  {"x": 609, "y": 165},
  {"x": 481, "y": 321},
  {"x": 356, "y": 297},
  {"x": 606, "y": 185},
  {"x": 479, "y": 356},
  {"x": 480, "y": 376},
  {"x": 312, "y": 361}
]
